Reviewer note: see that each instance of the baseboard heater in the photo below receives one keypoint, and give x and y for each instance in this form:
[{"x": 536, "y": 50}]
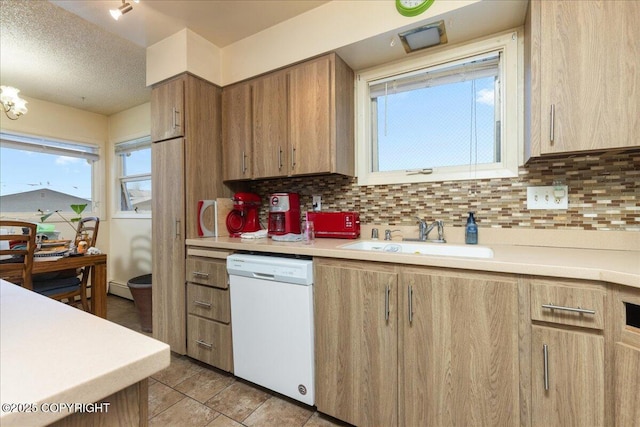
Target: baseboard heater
[{"x": 120, "y": 289}]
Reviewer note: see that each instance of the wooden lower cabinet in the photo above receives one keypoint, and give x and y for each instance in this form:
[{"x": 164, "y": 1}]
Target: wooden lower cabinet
[
  {"x": 356, "y": 341},
  {"x": 568, "y": 382},
  {"x": 210, "y": 342},
  {"x": 458, "y": 349},
  {"x": 453, "y": 362}
]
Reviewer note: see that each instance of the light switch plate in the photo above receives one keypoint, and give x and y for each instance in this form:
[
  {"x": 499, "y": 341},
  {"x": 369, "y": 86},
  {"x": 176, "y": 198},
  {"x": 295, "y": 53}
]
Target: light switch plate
[
  {"x": 317, "y": 203},
  {"x": 548, "y": 198}
]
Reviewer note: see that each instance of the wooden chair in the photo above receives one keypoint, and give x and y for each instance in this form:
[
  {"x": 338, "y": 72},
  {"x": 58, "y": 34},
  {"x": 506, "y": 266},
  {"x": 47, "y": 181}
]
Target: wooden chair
[
  {"x": 70, "y": 284},
  {"x": 16, "y": 257}
]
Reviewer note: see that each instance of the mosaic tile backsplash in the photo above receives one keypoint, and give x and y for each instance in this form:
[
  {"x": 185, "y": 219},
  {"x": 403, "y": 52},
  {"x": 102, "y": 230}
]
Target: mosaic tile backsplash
[{"x": 603, "y": 195}]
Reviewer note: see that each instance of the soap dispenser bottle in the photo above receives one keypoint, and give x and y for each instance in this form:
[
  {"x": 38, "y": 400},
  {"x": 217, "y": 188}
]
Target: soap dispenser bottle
[{"x": 471, "y": 231}]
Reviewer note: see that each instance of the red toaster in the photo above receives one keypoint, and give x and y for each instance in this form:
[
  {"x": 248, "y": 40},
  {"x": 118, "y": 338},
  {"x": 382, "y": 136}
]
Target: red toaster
[{"x": 337, "y": 225}]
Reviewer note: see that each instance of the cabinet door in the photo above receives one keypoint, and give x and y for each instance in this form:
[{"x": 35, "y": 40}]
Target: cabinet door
[
  {"x": 237, "y": 127},
  {"x": 627, "y": 379},
  {"x": 568, "y": 381},
  {"x": 356, "y": 344},
  {"x": 270, "y": 121},
  {"x": 167, "y": 110},
  {"x": 167, "y": 233},
  {"x": 311, "y": 117},
  {"x": 458, "y": 350},
  {"x": 590, "y": 75}
]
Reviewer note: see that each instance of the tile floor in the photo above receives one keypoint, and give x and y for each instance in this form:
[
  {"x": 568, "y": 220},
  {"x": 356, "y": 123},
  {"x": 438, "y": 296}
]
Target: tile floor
[{"x": 189, "y": 393}]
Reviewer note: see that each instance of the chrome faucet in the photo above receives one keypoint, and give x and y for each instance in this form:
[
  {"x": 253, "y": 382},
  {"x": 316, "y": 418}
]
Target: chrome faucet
[{"x": 424, "y": 230}]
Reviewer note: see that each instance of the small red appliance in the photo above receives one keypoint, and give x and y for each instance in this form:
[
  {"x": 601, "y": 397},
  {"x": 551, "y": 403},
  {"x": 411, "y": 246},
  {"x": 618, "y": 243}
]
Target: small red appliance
[
  {"x": 284, "y": 214},
  {"x": 244, "y": 217},
  {"x": 337, "y": 225}
]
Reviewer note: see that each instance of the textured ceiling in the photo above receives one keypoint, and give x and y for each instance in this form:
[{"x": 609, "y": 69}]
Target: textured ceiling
[
  {"x": 54, "y": 55},
  {"x": 72, "y": 52}
]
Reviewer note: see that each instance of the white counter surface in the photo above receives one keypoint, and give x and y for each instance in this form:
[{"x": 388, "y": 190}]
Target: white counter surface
[
  {"x": 614, "y": 266},
  {"x": 52, "y": 353}
]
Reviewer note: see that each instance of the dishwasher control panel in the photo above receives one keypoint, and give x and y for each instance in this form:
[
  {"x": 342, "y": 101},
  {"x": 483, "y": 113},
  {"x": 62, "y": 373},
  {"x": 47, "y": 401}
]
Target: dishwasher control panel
[{"x": 288, "y": 270}]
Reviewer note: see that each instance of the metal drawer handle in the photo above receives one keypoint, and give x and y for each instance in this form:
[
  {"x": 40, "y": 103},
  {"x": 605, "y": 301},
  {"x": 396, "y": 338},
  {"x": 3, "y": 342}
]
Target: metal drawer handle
[
  {"x": 204, "y": 344},
  {"x": 387, "y": 292},
  {"x": 201, "y": 274},
  {"x": 572, "y": 309},
  {"x": 410, "y": 304},
  {"x": 552, "y": 128},
  {"x": 545, "y": 355},
  {"x": 202, "y": 303}
]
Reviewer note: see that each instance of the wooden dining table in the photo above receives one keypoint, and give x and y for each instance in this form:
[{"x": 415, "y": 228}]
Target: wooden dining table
[{"x": 98, "y": 265}]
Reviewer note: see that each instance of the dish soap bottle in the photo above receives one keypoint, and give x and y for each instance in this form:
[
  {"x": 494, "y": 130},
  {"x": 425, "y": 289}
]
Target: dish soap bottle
[{"x": 471, "y": 231}]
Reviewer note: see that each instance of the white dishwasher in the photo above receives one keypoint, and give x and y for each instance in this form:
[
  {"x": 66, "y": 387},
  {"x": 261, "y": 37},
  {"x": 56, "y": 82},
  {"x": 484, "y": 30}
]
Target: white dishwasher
[{"x": 272, "y": 323}]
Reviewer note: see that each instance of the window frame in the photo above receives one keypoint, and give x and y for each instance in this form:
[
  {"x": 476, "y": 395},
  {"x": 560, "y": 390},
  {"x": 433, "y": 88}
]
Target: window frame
[
  {"x": 55, "y": 146},
  {"x": 509, "y": 45},
  {"x": 120, "y": 149}
]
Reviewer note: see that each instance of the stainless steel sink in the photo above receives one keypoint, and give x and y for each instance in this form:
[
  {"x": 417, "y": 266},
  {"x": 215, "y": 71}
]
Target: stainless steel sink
[{"x": 436, "y": 249}]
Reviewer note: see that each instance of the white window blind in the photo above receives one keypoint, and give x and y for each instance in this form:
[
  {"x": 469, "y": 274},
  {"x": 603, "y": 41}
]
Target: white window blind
[{"x": 49, "y": 146}]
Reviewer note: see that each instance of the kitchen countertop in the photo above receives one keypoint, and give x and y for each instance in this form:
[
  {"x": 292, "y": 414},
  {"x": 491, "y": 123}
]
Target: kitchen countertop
[
  {"x": 614, "y": 266},
  {"x": 54, "y": 353}
]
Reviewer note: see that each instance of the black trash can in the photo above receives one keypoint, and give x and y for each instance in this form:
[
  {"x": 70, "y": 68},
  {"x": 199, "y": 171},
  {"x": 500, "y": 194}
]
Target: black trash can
[{"x": 140, "y": 288}]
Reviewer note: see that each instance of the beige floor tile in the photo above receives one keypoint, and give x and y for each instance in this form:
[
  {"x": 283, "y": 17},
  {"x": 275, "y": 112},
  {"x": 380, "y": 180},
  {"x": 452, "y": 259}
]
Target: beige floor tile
[
  {"x": 238, "y": 400},
  {"x": 180, "y": 369},
  {"x": 187, "y": 413},
  {"x": 222, "y": 421},
  {"x": 277, "y": 412},
  {"x": 204, "y": 385},
  {"x": 162, "y": 397}
]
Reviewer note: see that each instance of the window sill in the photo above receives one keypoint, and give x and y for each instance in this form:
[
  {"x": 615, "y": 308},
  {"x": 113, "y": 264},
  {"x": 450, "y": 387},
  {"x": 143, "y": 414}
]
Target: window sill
[{"x": 131, "y": 215}]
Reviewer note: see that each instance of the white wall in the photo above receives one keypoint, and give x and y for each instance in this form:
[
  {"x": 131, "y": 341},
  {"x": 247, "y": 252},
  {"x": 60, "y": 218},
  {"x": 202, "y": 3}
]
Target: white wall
[{"x": 130, "y": 234}]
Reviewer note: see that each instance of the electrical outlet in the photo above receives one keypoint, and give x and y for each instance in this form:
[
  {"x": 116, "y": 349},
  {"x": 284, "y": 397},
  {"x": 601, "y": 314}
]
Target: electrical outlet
[
  {"x": 548, "y": 198},
  {"x": 317, "y": 203}
]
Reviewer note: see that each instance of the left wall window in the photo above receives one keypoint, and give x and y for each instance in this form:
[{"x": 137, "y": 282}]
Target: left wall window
[
  {"x": 44, "y": 174},
  {"x": 134, "y": 163}
]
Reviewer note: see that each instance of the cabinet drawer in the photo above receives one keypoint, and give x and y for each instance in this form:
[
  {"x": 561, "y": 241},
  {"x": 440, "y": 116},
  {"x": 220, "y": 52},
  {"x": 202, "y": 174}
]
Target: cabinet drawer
[
  {"x": 208, "y": 302},
  {"x": 210, "y": 342},
  {"x": 207, "y": 272},
  {"x": 568, "y": 305}
]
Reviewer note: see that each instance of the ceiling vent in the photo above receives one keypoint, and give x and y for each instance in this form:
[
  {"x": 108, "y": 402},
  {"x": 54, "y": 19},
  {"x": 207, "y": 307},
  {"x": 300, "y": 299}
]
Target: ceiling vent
[{"x": 423, "y": 37}]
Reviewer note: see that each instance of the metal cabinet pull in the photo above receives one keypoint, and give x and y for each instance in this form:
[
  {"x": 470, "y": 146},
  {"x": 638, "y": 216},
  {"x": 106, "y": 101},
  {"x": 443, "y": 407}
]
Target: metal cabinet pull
[
  {"x": 279, "y": 158},
  {"x": 572, "y": 309},
  {"x": 177, "y": 226},
  {"x": 244, "y": 164},
  {"x": 387, "y": 292},
  {"x": 410, "y": 292},
  {"x": 293, "y": 157},
  {"x": 204, "y": 344},
  {"x": 200, "y": 274},
  {"x": 545, "y": 355},
  {"x": 202, "y": 303},
  {"x": 174, "y": 113},
  {"x": 552, "y": 129}
]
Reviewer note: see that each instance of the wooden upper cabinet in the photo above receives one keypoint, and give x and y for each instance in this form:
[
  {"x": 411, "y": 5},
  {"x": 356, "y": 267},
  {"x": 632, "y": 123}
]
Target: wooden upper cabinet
[
  {"x": 299, "y": 121},
  {"x": 167, "y": 110},
  {"x": 321, "y": 110},
  {"x": 584, "y": 74},
  {"x": 270, "y": 123},
  {"x": 237, "y": 132}
]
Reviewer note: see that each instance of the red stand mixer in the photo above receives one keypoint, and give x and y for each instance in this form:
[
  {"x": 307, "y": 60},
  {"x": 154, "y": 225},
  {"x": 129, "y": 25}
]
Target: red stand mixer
[{"x": 245, "y": 216}]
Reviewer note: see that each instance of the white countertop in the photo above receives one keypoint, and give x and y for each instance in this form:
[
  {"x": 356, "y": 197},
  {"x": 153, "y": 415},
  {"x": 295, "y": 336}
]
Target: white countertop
[
  {"x": 53, "y": 353},
  {"x": 614, "y": 266}
]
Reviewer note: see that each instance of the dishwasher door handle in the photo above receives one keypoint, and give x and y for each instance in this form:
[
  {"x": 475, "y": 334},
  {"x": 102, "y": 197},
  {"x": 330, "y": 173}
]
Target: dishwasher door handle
[{"x": 264, "y": 276}]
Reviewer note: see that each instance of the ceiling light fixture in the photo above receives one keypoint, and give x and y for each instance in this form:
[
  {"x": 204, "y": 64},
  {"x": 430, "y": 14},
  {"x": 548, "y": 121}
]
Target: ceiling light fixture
[
  {"x": 124, "y": 8},
  {"x": 12, "y": 104},
  {"x": 422, "y": 37}
]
